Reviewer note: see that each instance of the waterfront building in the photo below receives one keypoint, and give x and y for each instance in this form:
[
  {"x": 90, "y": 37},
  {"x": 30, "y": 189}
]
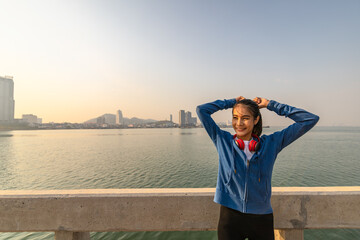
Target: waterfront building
[
  {"x": 109, "y": 118},
  {"x": 7, "y": 102},
  {"x": 31, "y": 119},
  {"x": 119, "y": 118},
  {"x": 186, "y": 119},
  {"x": 194, "y": 121},
  {"x": 189, "y": 120},
  {"x": 171, "y": 118},
  {"x": 100, "y": 120},
  {"x": 182, "y": 118}
]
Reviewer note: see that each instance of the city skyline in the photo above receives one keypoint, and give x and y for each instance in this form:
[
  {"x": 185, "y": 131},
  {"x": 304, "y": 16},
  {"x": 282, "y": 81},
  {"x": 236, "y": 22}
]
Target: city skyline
[
  {"x": 7, "y": 107},
  {"x": 73, "y": 60}
]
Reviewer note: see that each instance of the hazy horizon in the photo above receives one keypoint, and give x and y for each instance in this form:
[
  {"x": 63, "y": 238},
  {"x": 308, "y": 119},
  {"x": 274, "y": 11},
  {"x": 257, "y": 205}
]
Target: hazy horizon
[{"x": 76, "y": 60}]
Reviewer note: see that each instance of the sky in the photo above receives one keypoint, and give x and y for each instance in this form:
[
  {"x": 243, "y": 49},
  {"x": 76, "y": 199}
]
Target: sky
[{"x": 76, "y": 60}]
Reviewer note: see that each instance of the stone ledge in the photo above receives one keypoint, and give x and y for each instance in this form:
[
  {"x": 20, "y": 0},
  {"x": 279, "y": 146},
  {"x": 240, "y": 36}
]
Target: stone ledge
[{"x": 171, "y": 209}]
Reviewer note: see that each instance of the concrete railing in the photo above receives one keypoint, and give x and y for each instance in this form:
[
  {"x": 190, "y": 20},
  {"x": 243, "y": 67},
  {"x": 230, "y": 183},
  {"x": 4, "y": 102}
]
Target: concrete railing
[{"x": 72, "y": 214}]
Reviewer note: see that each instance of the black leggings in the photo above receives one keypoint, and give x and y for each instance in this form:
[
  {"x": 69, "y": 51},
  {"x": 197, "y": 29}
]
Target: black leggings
[{"x": 235, "y": 225}]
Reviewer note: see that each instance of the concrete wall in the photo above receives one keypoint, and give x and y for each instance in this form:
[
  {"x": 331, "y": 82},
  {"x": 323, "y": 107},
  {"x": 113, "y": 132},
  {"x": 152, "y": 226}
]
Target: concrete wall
[{"x": 295, "y": 208}]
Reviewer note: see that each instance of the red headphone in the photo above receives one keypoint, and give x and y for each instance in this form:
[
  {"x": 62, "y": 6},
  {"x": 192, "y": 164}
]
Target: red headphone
[{"x": 253, "y": 144}]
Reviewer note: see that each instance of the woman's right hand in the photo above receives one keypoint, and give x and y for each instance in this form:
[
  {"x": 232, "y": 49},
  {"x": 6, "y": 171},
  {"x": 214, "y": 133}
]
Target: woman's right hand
[{"x": 261, "y": 102}]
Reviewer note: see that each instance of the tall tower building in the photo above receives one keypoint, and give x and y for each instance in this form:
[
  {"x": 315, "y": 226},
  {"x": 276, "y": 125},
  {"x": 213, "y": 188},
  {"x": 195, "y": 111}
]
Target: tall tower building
[
  {"x": 170, "y": 117},
  {"x": 119, "y": 118},
  {"x": 188, "y": 118},
  {"x": 7, "y": 102},
  {"x": 181, "y": 118}
]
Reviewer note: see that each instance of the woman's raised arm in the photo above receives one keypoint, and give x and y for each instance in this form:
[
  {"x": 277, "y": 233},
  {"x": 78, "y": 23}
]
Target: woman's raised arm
[
  {"x": 304, "y": 121},
  {"x": 204, "y": 112}
]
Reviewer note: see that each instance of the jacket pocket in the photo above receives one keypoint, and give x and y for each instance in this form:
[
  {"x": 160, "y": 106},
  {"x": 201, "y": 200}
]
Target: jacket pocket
[
  {"x": 227, "y": 179},
  {"x": 235, "y": 185}
]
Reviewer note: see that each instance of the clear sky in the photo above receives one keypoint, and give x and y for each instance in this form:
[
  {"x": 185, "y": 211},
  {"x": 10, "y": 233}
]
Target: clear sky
[{"x": 76, "y": 60}]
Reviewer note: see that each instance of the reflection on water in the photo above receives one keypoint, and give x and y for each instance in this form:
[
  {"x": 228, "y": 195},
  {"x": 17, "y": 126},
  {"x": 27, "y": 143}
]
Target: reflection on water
[{"x": 6, "y": 135}]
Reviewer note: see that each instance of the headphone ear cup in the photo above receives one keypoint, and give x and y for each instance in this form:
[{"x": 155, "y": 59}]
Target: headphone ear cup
[
  {"x": 252, "y": 145},
  {"x": 241, "y": 143},
  {"x": 257, "y": 146}
]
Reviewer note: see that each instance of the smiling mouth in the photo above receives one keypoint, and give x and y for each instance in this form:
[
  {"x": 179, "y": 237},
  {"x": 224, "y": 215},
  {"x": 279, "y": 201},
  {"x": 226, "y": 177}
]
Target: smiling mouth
[{"x": 240, "y": 130}]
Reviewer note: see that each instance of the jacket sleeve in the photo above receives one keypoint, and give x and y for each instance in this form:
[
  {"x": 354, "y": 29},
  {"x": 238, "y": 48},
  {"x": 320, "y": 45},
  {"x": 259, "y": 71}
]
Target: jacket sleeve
[
  {"x": 204, "y": 112},
  {"x": 304, "y": 121}
]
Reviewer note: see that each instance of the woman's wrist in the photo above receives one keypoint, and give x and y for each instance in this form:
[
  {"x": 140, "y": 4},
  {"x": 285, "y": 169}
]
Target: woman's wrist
[{"x": 266, "y": 103}]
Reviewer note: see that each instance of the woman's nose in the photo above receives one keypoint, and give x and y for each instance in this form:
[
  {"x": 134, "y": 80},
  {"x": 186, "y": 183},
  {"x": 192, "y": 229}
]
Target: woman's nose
[{"x": 239, "y": 122}]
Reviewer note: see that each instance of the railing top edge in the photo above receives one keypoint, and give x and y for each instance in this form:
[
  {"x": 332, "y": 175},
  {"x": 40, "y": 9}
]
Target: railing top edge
[
  {"x": 170, "y": 191},
  {"x": 316, "y": 190},
  {"x": 108, "y": 192}
]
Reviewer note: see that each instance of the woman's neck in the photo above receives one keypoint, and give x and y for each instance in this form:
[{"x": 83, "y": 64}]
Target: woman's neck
[{"x": 245, "y": 138}]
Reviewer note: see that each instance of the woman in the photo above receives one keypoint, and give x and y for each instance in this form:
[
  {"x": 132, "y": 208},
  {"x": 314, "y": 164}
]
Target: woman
[{"x": 246, "y": 162}]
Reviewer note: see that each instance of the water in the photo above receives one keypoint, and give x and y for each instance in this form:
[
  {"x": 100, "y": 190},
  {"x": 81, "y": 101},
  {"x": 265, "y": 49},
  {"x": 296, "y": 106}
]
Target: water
[{"x": 165, "y": 158}]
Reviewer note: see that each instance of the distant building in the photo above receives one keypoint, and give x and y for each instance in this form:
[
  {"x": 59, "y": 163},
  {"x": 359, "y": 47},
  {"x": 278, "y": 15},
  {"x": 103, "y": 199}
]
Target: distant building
[
  {"x": 186, "y": 120},
  {"x": 171, "y": 118},
  {"x": 182, "y": 118},
  {"x": 119, "y": 118},
  {"x": 7, "y": 102},
  {"x": 100, "y": 120},
  {"x": 31, "y": 119},
  {"x": 109, "y": 119},
  {"x": 194, "y": 121},
  {"x": 189, "y": 120}
]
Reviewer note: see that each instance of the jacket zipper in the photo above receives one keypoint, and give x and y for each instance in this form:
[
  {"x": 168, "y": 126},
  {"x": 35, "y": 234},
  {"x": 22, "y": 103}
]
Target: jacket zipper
[{"x": 246, "y": 183}]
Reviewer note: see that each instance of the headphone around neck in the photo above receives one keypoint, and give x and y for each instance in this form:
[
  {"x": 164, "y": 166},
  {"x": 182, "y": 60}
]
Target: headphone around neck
[{"x": 254, "y": 143}]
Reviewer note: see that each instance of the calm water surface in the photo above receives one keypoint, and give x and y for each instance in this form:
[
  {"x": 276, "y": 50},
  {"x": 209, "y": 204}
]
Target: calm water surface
[{"x": 165, "y": 158}]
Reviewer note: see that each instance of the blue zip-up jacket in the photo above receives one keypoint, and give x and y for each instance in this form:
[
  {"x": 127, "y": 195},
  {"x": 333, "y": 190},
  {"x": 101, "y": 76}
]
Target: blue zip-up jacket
[{"x": 246, "y": 185}]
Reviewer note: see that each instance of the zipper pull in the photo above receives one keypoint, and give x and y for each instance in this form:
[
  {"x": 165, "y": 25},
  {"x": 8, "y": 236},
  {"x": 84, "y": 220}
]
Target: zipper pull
[
  {"x": 235, "y": 171},
  {"x": 247, "y": 163},
  {"x": 259, "y": 179}
]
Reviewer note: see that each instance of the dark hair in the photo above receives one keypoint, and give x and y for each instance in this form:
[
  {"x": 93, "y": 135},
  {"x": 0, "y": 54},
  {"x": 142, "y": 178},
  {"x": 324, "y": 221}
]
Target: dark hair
[{"x": 255, "y": 111}]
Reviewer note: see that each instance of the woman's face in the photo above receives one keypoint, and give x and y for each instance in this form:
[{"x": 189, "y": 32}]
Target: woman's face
[{"x": 243, "y": 122}]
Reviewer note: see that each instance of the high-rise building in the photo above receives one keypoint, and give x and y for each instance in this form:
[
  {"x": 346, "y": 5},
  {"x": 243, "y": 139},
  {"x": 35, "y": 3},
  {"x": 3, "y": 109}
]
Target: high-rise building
[
  {"x": 7, "y": 102},
  {"x": 170, "y": 117},
  {"x": 182, "y": 118},
  {"x": 188, "y": 118},
  {"x": 119, "y": 118}
]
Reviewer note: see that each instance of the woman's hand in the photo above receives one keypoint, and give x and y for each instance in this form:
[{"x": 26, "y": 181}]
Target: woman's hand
[
  {"x": 261, "y": 102},
  {"x": 238, "y": 99}
]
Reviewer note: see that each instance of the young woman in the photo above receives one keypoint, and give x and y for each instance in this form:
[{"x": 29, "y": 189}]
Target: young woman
[{"x": 246, "y": 161}]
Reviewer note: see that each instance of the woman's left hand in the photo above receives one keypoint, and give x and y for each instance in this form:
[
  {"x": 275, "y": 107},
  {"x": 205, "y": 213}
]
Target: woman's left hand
[
  {"x": 238, "y": 99},
  {"x": 261, "y": 102}
]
